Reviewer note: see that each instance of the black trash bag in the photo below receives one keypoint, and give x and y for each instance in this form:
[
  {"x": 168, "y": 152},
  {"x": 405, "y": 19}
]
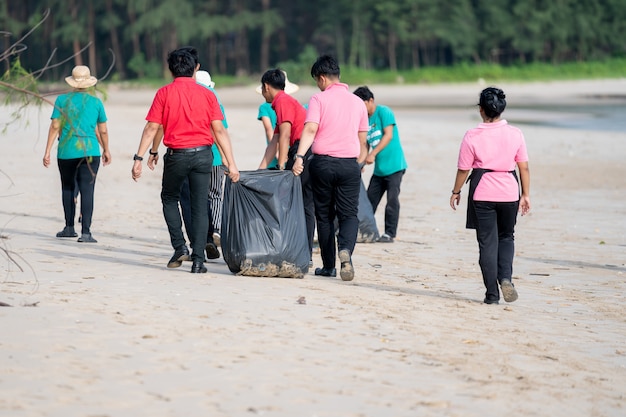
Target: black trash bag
[
  {"x": 368, "y": 231},
  {"x": 263, "y": 226}
]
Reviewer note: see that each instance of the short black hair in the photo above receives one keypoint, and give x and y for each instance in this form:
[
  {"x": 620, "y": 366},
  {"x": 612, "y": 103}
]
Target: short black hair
[
  {"x": 182, "y": 62},
  {"x": 492, "y": 101},
  {"x": 325, "y": 65},
  {"x": 275, "y": 78},
  {"x": 364, "y": 93}
]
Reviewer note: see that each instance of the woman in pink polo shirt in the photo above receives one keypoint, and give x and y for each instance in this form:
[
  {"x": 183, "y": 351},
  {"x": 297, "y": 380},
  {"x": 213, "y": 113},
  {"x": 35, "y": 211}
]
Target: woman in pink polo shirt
[{"x": 492, "y": 151}]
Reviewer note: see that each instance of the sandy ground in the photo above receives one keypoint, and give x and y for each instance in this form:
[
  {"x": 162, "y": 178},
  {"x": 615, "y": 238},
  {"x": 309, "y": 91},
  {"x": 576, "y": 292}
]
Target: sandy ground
[{"x": 108, "y": 330}]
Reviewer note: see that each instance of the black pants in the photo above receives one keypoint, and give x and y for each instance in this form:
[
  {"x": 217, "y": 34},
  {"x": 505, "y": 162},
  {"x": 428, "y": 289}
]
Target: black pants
[
  {"x": 307, "y": 191},
  {"x": 336, "y": 186},
  {"x": 495, "y": 234},
  {"x": 389, "y": 184},
  {"x": 81, "y": 173},
  {"x": 196, "y": 168}
]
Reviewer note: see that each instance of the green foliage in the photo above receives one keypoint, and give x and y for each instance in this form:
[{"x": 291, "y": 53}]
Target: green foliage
[
  {"x": 299, "y": 70},
  {"x": 19, "y": 78}
]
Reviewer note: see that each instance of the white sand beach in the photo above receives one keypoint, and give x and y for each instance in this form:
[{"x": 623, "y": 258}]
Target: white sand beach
[{"x": 107, "y": 330}]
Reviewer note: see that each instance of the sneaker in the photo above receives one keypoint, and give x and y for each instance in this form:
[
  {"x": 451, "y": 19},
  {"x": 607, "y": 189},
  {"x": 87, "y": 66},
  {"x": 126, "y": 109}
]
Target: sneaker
[
  {"x": 347, "y": 270},
  {"x": 385, "y": 238},
  {"x": 217, "y": 238},
  {"x": 181, "y": 254},
  {"x": 490, "y": 301},
  {"x": 68, "y": 231},
  {"x": 87, "y": 238},
  {"x": 211, "y": 251},
  {"x": 509, "y": 293}
]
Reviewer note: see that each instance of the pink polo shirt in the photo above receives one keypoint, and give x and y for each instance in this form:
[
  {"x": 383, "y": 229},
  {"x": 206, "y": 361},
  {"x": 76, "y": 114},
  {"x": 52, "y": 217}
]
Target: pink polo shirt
[
  {"x": 497, "y": 146},
  {"x": 340, "y": 116}
]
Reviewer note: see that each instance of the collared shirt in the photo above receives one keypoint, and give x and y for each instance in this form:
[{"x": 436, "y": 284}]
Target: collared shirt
[
  {"x": 288, "y": 109},
  {"x": 340, "y": 116},
  {"x": 496, "y": 146},
  {"x": 186, "y": 110}
]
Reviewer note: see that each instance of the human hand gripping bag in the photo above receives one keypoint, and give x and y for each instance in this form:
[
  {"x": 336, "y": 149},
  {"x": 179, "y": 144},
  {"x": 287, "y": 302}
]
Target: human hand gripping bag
[{"x": 263, "y": 225}]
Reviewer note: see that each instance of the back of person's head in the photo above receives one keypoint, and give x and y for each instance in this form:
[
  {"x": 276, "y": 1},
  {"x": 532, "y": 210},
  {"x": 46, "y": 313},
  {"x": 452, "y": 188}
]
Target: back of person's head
[
  {"x": 492, "y": 101},
  {"x": 275, "y": 78},
  {"x": 364, "y": 93},
  {"x": 182, "y": 62},
  {"x": 193, "y": 51},
  {"x": 325, "y": 65}
]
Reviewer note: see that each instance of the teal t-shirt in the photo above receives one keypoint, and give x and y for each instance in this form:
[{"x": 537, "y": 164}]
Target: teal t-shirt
[
  {"x": 266, "y": 110},
  {"x": 79, "y": 113},
  {"x": 391, "y": 159},
  {"x": 217, "y": 158}
]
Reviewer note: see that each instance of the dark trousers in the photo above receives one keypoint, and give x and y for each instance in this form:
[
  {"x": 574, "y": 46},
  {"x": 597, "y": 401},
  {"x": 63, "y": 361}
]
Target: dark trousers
[
  {"x": 494, "y": 231},
  {"x": 307, "y": 191},
  {"x": 389, "y": 184},
  {"x": 196, "y": 168},
  {"x": 78, "y": 173},
  {"x": 185, "y": 208},
  {"x": 336, "y": 185}
]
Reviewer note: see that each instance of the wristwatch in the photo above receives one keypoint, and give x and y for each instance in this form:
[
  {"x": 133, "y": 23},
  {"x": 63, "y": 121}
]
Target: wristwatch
[{"x": 296, "y": 156}]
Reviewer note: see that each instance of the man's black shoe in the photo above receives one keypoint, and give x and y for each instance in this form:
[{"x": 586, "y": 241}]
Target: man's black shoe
[
  {"x": 180, "y": 255},
  {"x": 211, "y": 251},
  {"x": 326, "y": 272},
  {"x": 198, "y": 268}
]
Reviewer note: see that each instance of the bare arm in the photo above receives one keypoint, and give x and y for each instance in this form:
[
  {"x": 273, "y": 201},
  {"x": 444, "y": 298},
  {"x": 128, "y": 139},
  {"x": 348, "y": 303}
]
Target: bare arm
[
  {"x": 223, "y": 142},
  {"x": 524, "y": 174},
  {"x": 461, "y": 176},
  {"x": 308, "y": 135},
  {"x": 363, "y": 147},
  {"x": 283, "y": 143},
  {"x": 147, "y": 137},
  {"x": 153, "y": 159},
  {"x": 384, "y": 141},
  {"x": 270, "y": 152},
  {"x": 53, "y": 134},
  {"x": 267, "y": 126},
  {"x": 102, "y": 133}
]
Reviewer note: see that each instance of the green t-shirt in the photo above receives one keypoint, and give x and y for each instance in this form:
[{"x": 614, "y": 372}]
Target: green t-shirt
[
  {"x": 266, "y": 110},
  {"x": 79, "y": 113},
  {"x": 391, "y": 159},
  {"x": 217, "y": 158}
]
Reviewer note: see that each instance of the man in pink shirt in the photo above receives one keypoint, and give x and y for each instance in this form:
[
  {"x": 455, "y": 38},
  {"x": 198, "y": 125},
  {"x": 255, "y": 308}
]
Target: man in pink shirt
[{"x": 335, "y": 129}]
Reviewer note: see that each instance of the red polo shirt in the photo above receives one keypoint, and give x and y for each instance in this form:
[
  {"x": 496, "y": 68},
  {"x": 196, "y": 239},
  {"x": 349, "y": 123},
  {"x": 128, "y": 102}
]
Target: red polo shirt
[
  {"x": 288, "y": 109},
  {"x": 185, "y": 109}
]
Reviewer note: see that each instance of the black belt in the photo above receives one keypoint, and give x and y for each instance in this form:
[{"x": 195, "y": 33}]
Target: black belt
[{"x": 188, "y": 150}]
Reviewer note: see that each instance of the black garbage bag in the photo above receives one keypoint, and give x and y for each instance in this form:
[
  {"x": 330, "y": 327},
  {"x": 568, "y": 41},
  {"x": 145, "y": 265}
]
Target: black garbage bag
[
  {"x": 368, "y": 231},
  {"x": 263, "y": 226}
]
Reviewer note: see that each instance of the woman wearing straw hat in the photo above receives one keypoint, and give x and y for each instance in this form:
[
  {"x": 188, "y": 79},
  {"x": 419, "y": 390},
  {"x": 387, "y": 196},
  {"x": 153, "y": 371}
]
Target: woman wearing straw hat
[{"x": 75, "y": 118}]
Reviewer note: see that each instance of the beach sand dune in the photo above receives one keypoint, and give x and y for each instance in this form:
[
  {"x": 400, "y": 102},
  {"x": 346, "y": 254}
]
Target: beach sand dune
[{"x": 108, "y": 330}]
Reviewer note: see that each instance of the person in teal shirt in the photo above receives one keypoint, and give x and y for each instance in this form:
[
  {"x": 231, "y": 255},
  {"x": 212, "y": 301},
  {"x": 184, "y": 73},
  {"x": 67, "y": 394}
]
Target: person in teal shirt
[
  {"x": 385, "y": 152},
  {"x": 74, "y": 121},
  {"x": 267, "y": 116}
]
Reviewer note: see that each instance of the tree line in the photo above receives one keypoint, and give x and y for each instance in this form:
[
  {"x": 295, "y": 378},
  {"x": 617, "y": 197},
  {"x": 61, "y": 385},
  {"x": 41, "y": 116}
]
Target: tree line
[{"x": 243, "y": 37}]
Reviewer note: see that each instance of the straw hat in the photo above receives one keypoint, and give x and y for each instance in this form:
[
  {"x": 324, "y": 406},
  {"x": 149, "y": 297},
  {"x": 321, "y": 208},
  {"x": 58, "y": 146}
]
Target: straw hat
[
  {"x": 290, "y": 87},
  {"x": 204, "y": 78},
  {"x": 81, "y": 77}
]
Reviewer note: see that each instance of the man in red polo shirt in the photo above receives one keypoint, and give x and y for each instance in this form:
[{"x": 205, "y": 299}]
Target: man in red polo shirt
[
  {"x": 190, "y": 115},
  {"x": 290, "y": 116}
]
